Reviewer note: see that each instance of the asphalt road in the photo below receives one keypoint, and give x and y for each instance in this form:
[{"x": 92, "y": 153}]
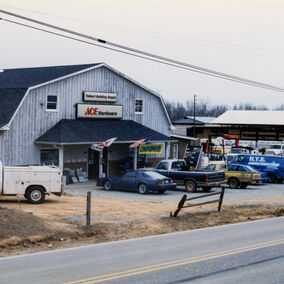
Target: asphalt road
[
  {"x": 251, "y": 252},
  {"x": 264, "y": 191}
]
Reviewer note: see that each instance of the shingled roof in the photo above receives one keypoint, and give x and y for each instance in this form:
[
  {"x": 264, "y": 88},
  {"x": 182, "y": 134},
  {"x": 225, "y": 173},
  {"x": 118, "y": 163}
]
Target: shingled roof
[
  {"x": 29, "y": 77},
  {"x": 70, "y": 131},
  {"x": 15, "y": 82},
  {"x": 9, "y": 101}
]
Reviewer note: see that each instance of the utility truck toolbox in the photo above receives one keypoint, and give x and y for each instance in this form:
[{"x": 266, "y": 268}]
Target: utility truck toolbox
[{"x": 34, "y": 182}]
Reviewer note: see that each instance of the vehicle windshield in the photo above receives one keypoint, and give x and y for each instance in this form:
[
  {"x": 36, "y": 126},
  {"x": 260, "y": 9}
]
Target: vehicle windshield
[
  {"x": 239, "y": 159},
  {"x": 163, "y": 166},
  {"x": 275, "y": 147},
  {"x": 210, "y": 167},
  {"x": 153, "y": 175}
]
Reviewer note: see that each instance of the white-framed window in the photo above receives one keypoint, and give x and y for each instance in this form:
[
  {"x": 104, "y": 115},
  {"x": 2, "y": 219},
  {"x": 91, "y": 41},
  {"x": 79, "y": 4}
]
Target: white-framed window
[
  {"x": 175, "y": 151},
  {"x": 139, "y": 106},
  {"x": 52, "y": 103}
]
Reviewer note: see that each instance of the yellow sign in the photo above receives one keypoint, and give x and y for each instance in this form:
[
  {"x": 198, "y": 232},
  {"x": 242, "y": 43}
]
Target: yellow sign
[{"x": 151, "y": 149}]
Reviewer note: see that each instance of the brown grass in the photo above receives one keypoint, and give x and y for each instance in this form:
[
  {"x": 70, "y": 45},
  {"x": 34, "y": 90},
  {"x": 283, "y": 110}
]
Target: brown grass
[{"x": 42, "y": 227}]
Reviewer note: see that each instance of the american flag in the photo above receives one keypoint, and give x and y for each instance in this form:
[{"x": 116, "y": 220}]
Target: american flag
[
  {"x": 99, "y": 146},
  {"x": 139, "y": 142},
  {"x": 107, "y": 143}
]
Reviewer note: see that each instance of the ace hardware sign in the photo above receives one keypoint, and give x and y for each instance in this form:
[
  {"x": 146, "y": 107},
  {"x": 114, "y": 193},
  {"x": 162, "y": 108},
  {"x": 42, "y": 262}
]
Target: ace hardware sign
[{"x": 99, "y": 111}]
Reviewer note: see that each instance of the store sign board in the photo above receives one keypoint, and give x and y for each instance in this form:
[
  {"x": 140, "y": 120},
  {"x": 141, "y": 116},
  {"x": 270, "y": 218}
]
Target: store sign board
[
  {"x": 151, "y": 149},
  {"x": 99, "y": 97},
  {"x": 99, "y": 111}
]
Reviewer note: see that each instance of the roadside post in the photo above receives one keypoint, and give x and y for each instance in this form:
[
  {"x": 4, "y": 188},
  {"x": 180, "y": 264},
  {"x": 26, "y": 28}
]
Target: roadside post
[{"x": 88, "y": 213}]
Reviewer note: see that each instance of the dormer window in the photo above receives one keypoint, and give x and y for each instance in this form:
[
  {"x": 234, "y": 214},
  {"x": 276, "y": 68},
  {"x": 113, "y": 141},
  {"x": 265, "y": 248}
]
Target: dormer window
[
  {"x": 139, "y": 106},
  {"x": 52, "y": 103}
]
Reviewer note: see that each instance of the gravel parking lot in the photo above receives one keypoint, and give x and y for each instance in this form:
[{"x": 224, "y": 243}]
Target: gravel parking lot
[{"x": 272, "y": 193}]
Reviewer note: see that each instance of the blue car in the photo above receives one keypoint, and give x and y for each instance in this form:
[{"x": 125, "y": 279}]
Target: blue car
[{"x": 140, "y": 181}]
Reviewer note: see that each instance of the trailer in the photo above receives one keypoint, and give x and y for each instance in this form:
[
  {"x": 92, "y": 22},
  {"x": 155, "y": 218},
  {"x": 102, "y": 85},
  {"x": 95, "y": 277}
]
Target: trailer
[{"x": 34, "y": 182}]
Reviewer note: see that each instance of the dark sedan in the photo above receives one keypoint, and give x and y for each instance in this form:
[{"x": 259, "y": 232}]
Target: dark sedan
[{"x": 140, "y": 181}]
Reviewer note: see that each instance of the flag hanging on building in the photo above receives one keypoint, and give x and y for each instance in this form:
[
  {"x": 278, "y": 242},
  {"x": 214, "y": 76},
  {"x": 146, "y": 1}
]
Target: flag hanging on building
[
  {"x": 139, "y": 142},
  {"x": 99, "y": 146},
  {"x": 107, "y": 143}
]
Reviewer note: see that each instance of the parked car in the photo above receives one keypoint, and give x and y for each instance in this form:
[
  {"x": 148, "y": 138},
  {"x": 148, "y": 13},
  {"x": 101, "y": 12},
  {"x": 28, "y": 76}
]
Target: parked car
[
  {"x": 239, "y": 150},
  {"x": 140, "y": 181},
  {"x": 270, "y": 153},
  {"x": 278, "y": 149},
  {"x": 271, "y": 167},
  {"x": 237, "y": 175},
  {"x": 178, "y": 171}
]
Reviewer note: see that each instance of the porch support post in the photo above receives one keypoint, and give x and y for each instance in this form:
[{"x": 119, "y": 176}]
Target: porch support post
[
  {"x": 135, "y": 159},
  {"x": 167, "y": 144},
  {"x": 61, "y": 157},
  {"x": 107, "y": 162},
  {"x": 100, "y": 163}
]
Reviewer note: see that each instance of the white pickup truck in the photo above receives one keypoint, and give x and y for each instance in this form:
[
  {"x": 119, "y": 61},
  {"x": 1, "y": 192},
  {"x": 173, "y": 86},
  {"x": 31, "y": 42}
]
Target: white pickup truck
[{"x": 34, "y": 182}]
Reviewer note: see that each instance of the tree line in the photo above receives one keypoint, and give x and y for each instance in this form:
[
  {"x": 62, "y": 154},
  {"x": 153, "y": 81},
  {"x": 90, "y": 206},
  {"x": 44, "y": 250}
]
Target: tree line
[{"x": 179, "y": 110}]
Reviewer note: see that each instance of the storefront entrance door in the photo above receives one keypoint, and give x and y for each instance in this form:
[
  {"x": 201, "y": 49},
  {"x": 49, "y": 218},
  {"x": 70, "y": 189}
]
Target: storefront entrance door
[{"x": 93, "y": 164}]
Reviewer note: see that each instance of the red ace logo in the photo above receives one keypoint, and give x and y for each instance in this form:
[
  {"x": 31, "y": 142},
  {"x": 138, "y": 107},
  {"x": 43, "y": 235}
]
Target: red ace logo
[{"x": 92, "y": 111}]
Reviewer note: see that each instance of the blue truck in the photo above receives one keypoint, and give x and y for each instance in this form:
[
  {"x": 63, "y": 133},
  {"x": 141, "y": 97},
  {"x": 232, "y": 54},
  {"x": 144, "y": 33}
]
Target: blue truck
[{"x": 271, "y": 167}]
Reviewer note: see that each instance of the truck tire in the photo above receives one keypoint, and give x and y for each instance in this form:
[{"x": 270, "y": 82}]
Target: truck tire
[
  {"x": 190, "y": 186},
  {"x": 233, "y": 183},
  {"x": 35, "y": 194},
  {"x": 206, "y": 188},
  {"x": 272, "y": 178}
]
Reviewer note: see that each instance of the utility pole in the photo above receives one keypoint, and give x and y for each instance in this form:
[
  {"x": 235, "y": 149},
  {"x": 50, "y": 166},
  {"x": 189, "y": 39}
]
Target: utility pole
[{"x": 194, "y": 106}]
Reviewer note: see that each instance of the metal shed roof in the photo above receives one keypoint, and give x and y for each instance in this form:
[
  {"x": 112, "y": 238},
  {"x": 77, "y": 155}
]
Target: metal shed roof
[{"x": 251, "y": 117}]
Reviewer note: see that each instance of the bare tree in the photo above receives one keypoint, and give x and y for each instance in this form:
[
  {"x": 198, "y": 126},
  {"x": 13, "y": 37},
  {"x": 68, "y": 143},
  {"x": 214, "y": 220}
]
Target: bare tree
[{"x": 178, "y": 110}]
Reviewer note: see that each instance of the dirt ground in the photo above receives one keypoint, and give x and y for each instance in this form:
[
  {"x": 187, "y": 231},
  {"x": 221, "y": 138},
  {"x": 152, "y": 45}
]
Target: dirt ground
[{"x": 60, "y": 221}]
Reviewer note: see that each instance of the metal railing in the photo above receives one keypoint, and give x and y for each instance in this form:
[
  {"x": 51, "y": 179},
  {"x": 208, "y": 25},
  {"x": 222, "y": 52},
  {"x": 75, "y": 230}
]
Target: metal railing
[{"x": 184, "y": 199}]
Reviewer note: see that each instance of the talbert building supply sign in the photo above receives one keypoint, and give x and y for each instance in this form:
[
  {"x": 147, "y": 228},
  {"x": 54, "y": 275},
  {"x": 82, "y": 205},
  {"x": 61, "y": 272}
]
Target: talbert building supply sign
[
  {"x": 99, "y": 97},
  {"x": 99, "y": 111},
  {"x": 151, "y": 149}
]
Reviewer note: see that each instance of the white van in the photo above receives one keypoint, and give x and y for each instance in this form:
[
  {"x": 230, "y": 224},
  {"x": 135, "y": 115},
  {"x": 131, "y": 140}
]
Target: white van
[
  {"x": 34, "y": 182},
  {"x": 278, "y": 149}
]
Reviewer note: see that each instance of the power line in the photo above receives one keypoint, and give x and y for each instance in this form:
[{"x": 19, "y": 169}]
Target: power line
[
  {"x": 109, "y": 48},
  {"x": 163, "y": 36},
  {"x": 142, "y": 54}
]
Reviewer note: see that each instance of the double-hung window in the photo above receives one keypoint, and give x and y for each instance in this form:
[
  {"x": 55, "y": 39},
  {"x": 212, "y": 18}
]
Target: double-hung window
[
  {"x": 139, "y": 106},
  {"x": 52, "y": 103}
]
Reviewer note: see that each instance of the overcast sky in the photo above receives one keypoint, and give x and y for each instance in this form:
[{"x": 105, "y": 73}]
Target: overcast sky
[{"x": 238, "y": 37}]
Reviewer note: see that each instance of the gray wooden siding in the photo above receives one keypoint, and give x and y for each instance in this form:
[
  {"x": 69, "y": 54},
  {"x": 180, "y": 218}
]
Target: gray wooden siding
[
  {"x": 32, "y": 119},
  {"x": 1, "y": 147}
]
